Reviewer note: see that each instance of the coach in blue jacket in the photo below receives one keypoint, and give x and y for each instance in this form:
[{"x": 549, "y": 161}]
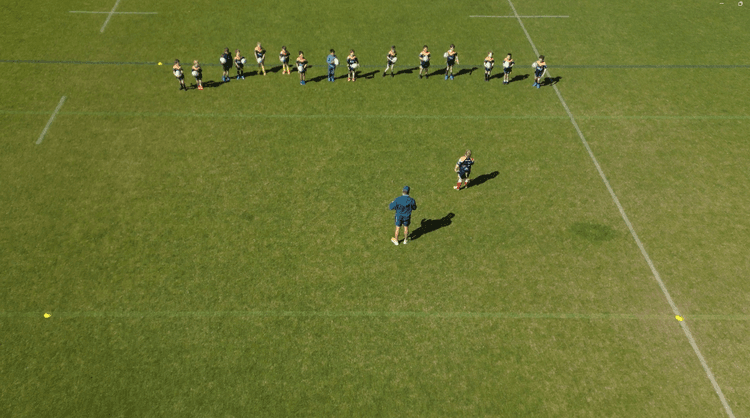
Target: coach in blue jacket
[{"x": 403, "y": 205}]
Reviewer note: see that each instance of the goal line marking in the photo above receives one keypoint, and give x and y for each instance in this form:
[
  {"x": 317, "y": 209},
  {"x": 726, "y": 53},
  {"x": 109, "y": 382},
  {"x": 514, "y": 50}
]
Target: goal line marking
[
  {"x": 625, "y": 218},
  {"x": 51, "y": 119}
]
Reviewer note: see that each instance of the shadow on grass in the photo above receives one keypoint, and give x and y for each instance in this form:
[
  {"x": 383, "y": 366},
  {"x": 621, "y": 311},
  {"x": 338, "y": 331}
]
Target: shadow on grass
[
  {"x": 369, "y": 75},
  {"x": 429, "y": 225},
  {"x": 593, "y": 232},
  {"x": 407, "y": 71},
  {"x": 482, "y": 179},
  {"x": 318, "y": 78},
  {"x": 551, "y": 81},
  {"x": 519, "y": 77},
  {"x": 209, "y": 84},
  {"x": 464, "y": 71}
]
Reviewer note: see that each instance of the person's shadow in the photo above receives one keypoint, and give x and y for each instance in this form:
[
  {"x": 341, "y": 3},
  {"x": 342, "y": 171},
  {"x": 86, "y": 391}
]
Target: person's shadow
[
  {"x": 210, "y": 84},
  {"x": 429, "y": 225},
  {"x": 407, "y": 70},
  {"x": 482, "y": 179},
  {"x": 318, "y": 78},
  {"x": 548, "y": 81},
  {"x": 468, "y": 71}
]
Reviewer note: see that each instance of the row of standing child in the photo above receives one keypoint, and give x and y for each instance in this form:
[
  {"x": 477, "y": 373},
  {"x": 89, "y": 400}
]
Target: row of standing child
[{"x": 352, "y": 61}]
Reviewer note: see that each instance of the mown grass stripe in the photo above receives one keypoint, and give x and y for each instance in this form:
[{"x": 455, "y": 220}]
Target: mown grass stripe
[
  {"x": 637, "y": 239},
  {"x": 368, "y": 314},
  {"x": 383, "y": 116}
]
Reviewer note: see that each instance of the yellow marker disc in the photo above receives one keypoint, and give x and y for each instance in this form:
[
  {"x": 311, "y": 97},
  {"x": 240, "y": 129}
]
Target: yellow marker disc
[
  {"x": 46, "y": 315},
  {"x": 159, "y": 63},
  {"x": 679, "y": 318}
]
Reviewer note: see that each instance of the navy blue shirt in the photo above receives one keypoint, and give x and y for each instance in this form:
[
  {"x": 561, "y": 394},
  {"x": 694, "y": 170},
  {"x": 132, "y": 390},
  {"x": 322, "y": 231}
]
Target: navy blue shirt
[
  {"x": 464, "y": 167},
  {"x": 403, "y": 205}
]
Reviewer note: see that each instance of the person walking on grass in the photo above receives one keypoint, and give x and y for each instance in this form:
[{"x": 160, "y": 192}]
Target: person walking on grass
[
  {"x": 239, "y": 63},
  {"x": 451, "y": 59},
  {"x": 284, "y": 58},
  {"x": 302, "y": 67},
  {"x": 463, "y": 168},
  {"x": 508, "y": 64},
  {"x": 390, "y": 60},
  {"x": 197, "y": 72},
  {"x": 424, "y": 62},
  {"x": 489, "y": 64},
  {"x": 179, "y": 74},
  {"x": 226, "y": 63},
  {"x": 403, "y": 205},
  {"x": 352, "y": 63},
  {"x": 332, "y": 63},
  {"x": 540, "y": 68},
  {"x": 260, "y": 57}
]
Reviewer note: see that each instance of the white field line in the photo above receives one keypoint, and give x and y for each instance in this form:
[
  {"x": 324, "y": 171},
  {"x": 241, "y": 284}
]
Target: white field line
[
  {"x": 523, "y": 17},
  {"x": 625, "y": 218},
  {"x": 115, "y": 13},
  {"x": 49, "y": 122},
  {"x": 109, "y": 16}
]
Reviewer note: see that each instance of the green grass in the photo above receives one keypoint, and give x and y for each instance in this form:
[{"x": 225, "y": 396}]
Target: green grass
[{"x": 226, "y": 252}]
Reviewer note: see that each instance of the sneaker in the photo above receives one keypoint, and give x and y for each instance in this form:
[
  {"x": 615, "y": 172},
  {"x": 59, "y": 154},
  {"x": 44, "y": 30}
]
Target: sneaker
[
  {"x": 406, "y": 241},
  {"x": 385, "y": 75},
  {"x": 200, "y": 87},
  {"x": 420, "y": 76},
  {"x": 456, "y": 188},
  {"x": 446, "y": 76},
  {"x": 394, "y": 241},
  {"x": 452, "y": 78},
  {"x": 538, "y": 85},
  {"x": 392, "y": 75}
]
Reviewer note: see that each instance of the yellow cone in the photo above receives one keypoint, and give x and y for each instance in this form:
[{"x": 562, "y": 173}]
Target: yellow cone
[
  {"x": 46, "y": 315},
  {"x": 679, "y": 318}
]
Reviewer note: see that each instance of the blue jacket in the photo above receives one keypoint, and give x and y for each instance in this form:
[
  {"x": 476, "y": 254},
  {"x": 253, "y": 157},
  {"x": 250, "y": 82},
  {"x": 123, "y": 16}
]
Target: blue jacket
[{"x": 403, "y": 205}]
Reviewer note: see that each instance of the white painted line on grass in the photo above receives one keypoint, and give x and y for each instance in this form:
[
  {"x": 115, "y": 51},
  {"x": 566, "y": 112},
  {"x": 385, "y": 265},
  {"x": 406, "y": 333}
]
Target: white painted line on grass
[
  {"x": 109, "y": 16},
  {"x": 523, "y": 17},
  {"x": 650, "y": 263},
  {"x": 51, "y": 118},
  {"x": 115, "y": 13}
]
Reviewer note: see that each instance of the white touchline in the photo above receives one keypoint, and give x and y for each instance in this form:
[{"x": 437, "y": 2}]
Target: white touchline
[
  {"x": 110, "y": 15},
  {"x": 115, "y": 13},
  {"x": 51, "y": 118},
  {"x": 650, "y": 263},
  {"x": 523, "y": 17}
]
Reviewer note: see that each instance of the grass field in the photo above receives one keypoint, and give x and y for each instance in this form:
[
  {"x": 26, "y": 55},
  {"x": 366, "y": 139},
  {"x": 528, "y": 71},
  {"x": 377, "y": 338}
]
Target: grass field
[{"x": 226, "y": 253}]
